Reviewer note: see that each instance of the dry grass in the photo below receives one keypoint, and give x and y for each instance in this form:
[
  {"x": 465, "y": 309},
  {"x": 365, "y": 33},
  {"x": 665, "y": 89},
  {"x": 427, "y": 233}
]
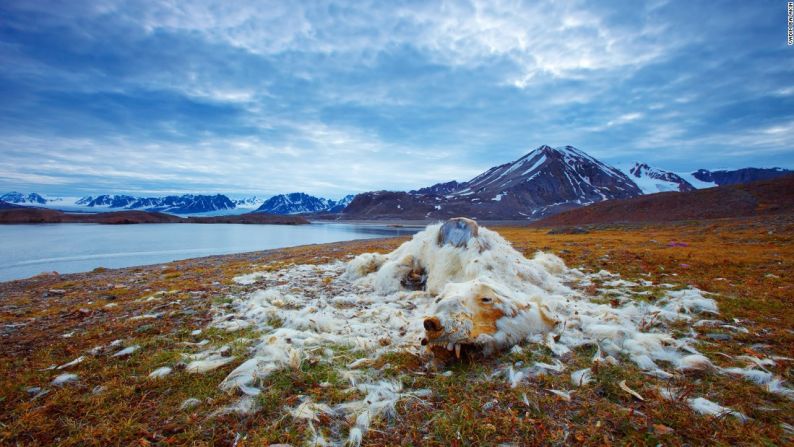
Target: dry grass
[{"x": 748, "y": 262}]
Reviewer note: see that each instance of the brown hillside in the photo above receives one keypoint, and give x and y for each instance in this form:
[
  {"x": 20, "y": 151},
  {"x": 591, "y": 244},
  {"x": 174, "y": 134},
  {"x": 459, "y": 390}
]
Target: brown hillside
[{"x": 751, "y": 199}]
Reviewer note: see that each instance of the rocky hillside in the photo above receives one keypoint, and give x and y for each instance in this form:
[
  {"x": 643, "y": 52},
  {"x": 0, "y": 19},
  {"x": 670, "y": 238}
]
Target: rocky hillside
[
  {"x": 737, "y": 176},
  {"x": 765, "y": 197}
]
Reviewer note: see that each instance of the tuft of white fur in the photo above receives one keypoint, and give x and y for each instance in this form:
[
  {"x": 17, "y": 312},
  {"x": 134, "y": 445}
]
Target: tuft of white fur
[
  {"x": 709, "y": 408},
  {"x": 203, "y": 366},
  {"x": 582, "y": 377},
  {"x": 189, "y": 403},
  {"x": 72, "y": 363},
  {"x": 243, "y": 406},
  {"x": 127, "y": 351},
  {"x": 694, "y": 362},
  {"x": 160, "y": 372},
  {"x": 309, "y": 410},
  {"x": 365, "y": 307},
  {"x": 64, "y": 379}
]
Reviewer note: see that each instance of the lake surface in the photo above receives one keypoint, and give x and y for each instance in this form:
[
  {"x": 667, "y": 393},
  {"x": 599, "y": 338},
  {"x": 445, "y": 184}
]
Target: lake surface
[{"x": 27, "y": 250}]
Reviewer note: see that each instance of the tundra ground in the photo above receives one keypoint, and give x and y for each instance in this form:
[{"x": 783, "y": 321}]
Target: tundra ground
[{"x": 51, "y": 320}]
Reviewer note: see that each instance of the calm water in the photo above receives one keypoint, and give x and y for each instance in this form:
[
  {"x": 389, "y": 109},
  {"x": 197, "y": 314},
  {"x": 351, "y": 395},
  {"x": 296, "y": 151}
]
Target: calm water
[{"x": 26, "y": 250}]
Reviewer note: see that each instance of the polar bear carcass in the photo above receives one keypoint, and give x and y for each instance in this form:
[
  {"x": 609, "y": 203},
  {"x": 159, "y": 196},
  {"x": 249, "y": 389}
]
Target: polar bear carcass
[{"x": 484, "y": 294}]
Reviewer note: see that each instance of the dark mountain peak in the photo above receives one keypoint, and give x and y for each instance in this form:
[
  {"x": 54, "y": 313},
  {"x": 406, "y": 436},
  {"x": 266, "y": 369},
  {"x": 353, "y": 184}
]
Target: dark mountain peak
[
  {"x": 543, "y": 181},
  {"x": 639, "y": 168},
  {"x": 439, "y": 189}
]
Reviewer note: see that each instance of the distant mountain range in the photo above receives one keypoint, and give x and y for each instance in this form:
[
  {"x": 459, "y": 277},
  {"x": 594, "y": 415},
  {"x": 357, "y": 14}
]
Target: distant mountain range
[
  {"x": 735, "y": 177},
  {"x": 295, "y": 203},
  {"x": 184, "y": 204},
  {"x": 19, "y": 198},
  {"x": 299, "y": 203},
  {"x": 543, "y": 182}
]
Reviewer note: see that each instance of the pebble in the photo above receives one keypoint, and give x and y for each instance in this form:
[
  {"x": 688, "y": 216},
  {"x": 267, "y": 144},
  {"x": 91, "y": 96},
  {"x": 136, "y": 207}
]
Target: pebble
[{"x": 719, "y": 336}]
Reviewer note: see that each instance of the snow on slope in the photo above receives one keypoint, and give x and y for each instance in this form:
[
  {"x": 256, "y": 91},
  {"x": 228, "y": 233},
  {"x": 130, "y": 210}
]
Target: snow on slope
[
  {"x": 652, "y": 180},
  {"x": 694, "y": 181}
]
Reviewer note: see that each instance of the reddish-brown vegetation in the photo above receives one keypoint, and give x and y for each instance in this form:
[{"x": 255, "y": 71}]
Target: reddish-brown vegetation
[{"x": 52, "y": 319}]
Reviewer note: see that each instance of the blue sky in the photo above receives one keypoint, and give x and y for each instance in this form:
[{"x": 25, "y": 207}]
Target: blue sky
[{"x": 331, "y": 98}]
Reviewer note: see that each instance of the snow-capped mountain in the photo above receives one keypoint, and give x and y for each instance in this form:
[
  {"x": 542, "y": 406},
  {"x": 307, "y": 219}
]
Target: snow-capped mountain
[
  {"x": 106, "y": 201},
  {"x": 544, "y": 181},
  {"x": 341, "y": 204},
  {"x": 20, "y": 198},
  {"x": 298, "y": 203},
  {"x": 251, "y": 202},
  {"x": 440, "y": 189},
  {"x": 184, "y": 204},
  {"x": 652, "y": 180},
  {"x": 736, "y": 176}
]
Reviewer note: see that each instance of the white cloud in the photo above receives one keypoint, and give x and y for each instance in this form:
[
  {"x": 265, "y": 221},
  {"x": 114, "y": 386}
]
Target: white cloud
[{"x": 316, "y": 158}]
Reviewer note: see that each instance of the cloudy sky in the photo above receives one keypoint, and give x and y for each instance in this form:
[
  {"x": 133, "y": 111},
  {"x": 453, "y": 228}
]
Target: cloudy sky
[{"x": 330, "y": 98}]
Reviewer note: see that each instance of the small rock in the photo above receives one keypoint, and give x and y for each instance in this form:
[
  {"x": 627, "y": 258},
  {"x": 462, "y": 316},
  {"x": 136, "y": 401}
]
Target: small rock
[
  {"x": 718, "y": 336},
  {"x": 144, "y": 328},
  {"x": 488, "y": 405},
  {"x": 34, "y": 390}
]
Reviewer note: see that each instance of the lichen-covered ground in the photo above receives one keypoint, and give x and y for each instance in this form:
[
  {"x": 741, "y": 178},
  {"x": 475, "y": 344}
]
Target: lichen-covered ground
[{"x": 109, "y": 399}]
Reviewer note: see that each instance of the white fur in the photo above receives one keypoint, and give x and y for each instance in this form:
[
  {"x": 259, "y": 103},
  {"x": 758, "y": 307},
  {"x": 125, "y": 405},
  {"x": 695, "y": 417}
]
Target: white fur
[{"x": 365, "y": 307}]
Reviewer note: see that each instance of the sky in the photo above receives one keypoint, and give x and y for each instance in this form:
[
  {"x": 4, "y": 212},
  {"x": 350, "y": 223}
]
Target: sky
[{"x": 331, "y": 98}]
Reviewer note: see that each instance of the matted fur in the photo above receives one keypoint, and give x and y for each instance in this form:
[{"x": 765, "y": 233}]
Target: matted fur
[{"x": 483, "y": 294}]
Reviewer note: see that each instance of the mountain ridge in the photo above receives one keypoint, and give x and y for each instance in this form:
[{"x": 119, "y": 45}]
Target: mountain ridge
[{"x": 543, "y": 181}]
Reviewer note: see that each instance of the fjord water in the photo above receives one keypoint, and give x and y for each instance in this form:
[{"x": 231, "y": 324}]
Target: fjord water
[{"x": 27, "y": 250}]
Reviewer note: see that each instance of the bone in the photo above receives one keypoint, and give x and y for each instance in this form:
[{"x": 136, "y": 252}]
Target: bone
[{"x": 457, "y": 232}]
